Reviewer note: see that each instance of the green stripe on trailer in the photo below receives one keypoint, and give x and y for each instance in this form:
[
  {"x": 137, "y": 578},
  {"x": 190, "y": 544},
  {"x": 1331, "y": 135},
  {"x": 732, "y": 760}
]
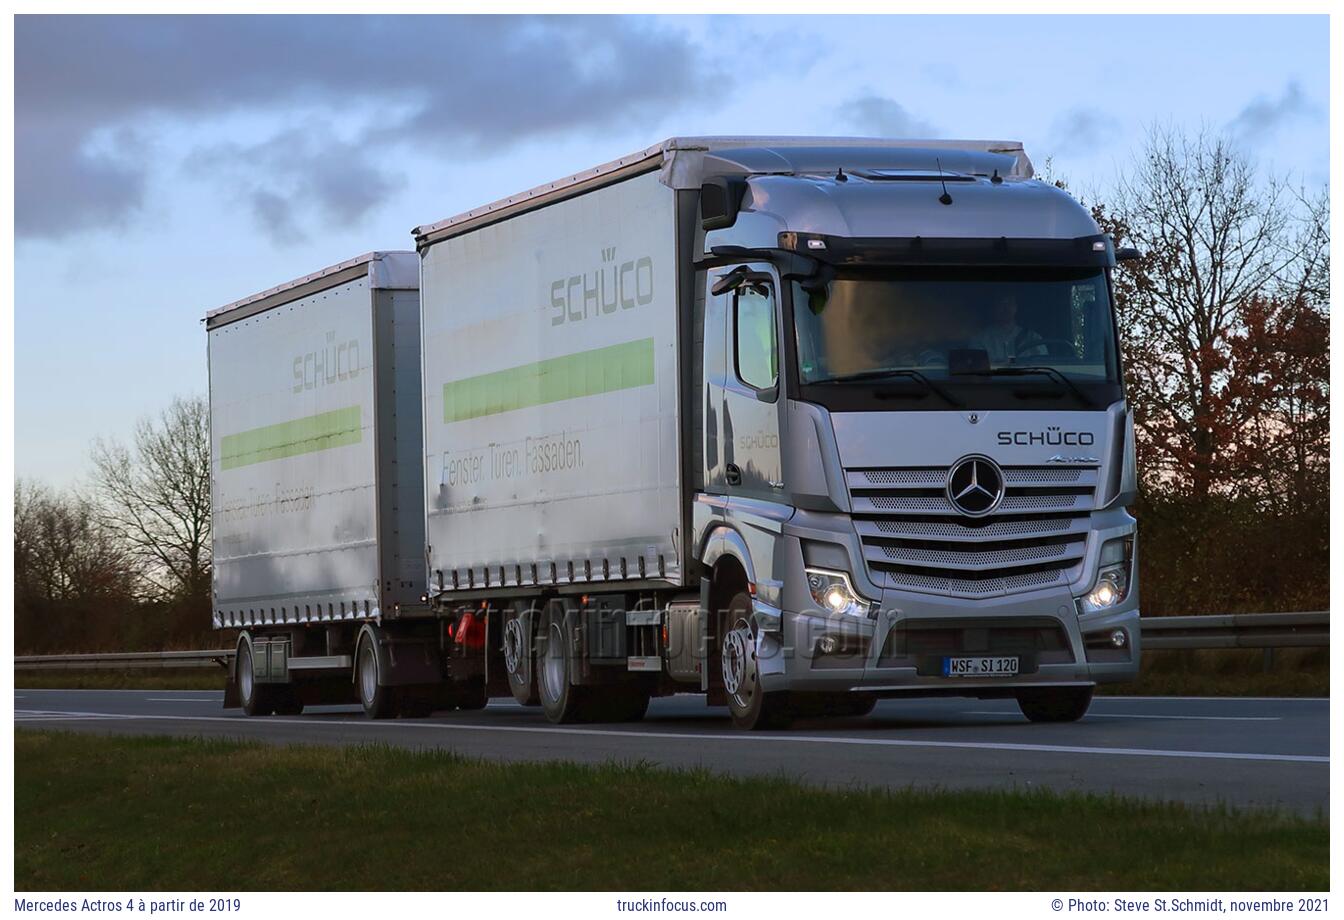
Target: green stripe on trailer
[
  {"x": 585, "y": 373},
  {"x": 307, "y": 435}
]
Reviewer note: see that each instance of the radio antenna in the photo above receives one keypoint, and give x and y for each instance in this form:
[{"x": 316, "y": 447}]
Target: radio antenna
[{"x": 945, "y": 198}]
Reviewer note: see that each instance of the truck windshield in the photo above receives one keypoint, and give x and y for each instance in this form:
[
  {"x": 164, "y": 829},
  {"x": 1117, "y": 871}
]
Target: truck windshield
[{"x": 956, "y": 323}]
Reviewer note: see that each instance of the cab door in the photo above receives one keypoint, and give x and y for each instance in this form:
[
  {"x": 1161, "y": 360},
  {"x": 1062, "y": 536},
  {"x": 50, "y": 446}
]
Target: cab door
[{"x": 751, "y": 387}]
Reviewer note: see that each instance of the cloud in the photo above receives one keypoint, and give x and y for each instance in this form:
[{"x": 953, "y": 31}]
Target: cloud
[
  {"x": 879, "y": 116},
  {"x": 300, "y": 176},
  {"x": 1264, "y": 116},
  {"x": 465, "y": 84},
  {"x": 1082, "y": 131}
]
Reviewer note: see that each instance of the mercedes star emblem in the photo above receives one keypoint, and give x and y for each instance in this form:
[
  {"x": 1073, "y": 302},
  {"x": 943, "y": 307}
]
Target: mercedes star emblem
[{"x": 975, "y": 485}]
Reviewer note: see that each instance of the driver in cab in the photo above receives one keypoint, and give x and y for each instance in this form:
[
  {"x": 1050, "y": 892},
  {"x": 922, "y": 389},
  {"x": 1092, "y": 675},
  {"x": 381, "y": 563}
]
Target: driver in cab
[{"x": 1003, "y": 339}]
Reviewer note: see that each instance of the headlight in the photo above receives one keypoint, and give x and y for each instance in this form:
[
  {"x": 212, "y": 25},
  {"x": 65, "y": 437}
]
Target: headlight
[
  {"x": 835, "y": 595},
  {"x": 1112, "y": 585}
]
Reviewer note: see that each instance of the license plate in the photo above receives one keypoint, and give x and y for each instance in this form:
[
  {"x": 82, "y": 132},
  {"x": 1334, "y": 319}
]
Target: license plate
[{"x": 987, "y": 666}]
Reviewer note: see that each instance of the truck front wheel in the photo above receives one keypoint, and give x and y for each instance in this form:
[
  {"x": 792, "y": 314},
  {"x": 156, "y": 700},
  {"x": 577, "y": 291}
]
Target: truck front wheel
[
  {"x": 750, "y": 706},
  {"x": 1055, "y": 704}
]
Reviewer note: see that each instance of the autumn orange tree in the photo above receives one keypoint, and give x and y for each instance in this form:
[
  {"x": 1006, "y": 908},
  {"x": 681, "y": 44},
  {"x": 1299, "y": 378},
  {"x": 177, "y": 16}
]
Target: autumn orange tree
[{"x": 1225, "y": 328}]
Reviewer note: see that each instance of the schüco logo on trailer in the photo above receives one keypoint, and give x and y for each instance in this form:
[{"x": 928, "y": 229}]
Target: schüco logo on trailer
[
  {"x": 604, "y": 290},
  {"x": 326, "y": 365}
]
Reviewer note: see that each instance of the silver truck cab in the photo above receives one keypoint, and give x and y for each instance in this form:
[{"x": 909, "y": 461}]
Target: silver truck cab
[{"x": 914, "y": 433}]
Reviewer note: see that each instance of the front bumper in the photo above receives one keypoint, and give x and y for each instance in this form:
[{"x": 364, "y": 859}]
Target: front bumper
[{"x": 900, "y": 651}]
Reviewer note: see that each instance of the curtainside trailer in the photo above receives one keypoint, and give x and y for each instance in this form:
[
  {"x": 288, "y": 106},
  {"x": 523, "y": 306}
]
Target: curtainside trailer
[{"x": 794, "y": 423}]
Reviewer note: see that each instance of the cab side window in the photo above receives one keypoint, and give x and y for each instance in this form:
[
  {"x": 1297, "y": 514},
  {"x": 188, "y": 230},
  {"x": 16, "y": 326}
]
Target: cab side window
[{"x": 754, "y": 335}]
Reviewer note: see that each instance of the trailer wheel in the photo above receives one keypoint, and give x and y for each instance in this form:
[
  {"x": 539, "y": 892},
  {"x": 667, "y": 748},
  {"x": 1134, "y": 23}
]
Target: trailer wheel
[
  {"x": 751, "y": 707},
  {"x": 256, "y": 698},
  {"x": 379, "y": 702},
  {"x": 519, "y": 654},
  {"x": 1054, "y": 704},
  {"x": 561, "y": 700}
]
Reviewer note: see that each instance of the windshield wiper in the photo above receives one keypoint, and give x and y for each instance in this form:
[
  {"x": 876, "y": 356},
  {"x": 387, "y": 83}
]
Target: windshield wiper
[
  {"x": 881, "y": 374},
  {"x": 1051, "y": 372}
]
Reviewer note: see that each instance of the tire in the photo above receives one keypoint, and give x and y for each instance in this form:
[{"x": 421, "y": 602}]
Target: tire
[
  {"x": 256, "y": 699},
  {"x": 379, "y": 702},
  {"x": 519, "y": 653},
  {"x": 561, "y": 700},
  {"x": 751, "y": 708},
  {"x": 1055, "y": 704}
]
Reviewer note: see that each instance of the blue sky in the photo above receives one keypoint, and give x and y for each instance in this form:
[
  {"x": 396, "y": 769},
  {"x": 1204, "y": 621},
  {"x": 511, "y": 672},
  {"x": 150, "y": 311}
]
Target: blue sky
[{"x": 166, "y": 166}]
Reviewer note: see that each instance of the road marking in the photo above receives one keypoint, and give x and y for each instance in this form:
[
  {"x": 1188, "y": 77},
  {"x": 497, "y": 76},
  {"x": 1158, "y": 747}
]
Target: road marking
[
  {"x": 1219, "y": 699},
  {"x": 1133, "y": 715},
  {"x": 45, "y": 715},
  {"x": 742, "y": 738}
]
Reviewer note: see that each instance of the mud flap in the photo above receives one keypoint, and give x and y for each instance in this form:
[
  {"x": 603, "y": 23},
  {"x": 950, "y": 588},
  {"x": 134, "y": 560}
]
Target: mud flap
[{"x": 231, "y": 698}]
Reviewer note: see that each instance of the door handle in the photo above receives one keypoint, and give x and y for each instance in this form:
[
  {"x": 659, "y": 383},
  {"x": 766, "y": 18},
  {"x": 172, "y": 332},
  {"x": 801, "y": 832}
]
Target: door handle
[{"x": 734, "y": 475}]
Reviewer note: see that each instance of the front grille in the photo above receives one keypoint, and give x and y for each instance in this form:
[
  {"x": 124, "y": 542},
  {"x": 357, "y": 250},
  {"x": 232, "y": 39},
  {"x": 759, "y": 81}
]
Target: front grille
[{"x": 914, "y": 538}]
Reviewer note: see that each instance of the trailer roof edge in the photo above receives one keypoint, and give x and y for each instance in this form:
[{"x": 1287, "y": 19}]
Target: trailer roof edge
[{"x": 394, "y": 269}]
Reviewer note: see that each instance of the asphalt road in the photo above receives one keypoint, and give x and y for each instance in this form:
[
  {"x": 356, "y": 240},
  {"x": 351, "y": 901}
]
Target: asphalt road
[{"x": 1245, "y": 752}]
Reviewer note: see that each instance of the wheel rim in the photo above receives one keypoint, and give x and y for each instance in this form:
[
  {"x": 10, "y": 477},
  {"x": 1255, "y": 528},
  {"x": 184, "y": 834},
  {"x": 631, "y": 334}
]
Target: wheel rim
[
  {"x": 738, "y": 657},
  {"x": 553, "y": 673},
  {"x": 368, "y": 674},
  {"x": 245, "y": 674},
  {"x": 514, "y": 646}
]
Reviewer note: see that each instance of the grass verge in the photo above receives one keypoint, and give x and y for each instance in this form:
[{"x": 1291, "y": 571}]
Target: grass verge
[
  {"x": 1229, "y": 672},
  {"x": 98, "y": 812}
]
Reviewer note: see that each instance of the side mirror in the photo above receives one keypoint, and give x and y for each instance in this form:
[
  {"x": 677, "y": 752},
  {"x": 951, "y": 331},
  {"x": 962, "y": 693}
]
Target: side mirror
[
  {"x": 720, "y": 200},
  {"x": 1127, "y": 254},
  {"x": 730, "y": 281}
]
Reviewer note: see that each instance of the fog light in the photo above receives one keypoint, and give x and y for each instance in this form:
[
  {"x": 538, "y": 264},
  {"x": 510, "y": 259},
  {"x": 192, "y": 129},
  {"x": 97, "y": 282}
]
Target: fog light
[{"x": 1119, "y": 639}]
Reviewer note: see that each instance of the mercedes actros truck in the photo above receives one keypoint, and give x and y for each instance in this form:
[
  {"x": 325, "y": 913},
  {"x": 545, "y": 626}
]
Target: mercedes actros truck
[{"x": 795, "y": 423}]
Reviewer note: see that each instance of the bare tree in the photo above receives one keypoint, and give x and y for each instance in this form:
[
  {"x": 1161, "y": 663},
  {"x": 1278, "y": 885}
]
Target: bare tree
[
  {"x": 72, "y": 578},
  {"x": 156, "y": 497},
  {"x": 1215, "y": 237}
]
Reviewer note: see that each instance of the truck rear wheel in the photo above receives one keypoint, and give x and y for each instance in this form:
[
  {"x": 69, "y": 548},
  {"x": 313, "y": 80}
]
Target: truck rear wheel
[
  {"x": 519, "y": 654},
  {"x": 256, "y": 699},
  {"x": 379, "y": 702},
  {"x": 561, "y": 700},
  {"x": 750, "y": 706},
  {"x": 1055, "y": 704}
]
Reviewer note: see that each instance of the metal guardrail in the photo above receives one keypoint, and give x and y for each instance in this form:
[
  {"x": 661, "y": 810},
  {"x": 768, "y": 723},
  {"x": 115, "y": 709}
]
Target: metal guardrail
[
  {"x": 1238, "y": 630},
  {"x": 205, "y": 658},
  {"x": 1216, "y": 631}
]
